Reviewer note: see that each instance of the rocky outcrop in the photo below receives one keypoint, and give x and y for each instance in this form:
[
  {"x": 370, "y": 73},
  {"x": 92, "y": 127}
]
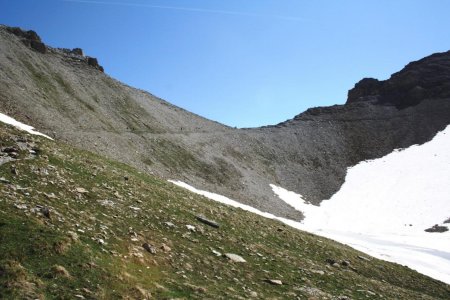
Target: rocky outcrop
[
  {"x": 428, "y": 78},
  {"x": 76, "y": 55},
  {"x": 77, "y": 51},
  {"x": 93, "y": 62},
  {"x": 30, "y": 38},
  {"x": 368, "y": 89}
]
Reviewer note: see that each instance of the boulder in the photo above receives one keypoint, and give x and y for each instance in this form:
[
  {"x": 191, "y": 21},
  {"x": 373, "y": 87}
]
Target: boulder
[
  {"x": 207, "y": 221},
  {"x": 235, "y": 258},
  {"x": 437, "y": 228}
]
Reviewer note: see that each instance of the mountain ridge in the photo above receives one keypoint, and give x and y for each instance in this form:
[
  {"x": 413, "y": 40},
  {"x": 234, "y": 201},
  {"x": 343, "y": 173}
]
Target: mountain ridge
[{"x": 308, "y": 154}]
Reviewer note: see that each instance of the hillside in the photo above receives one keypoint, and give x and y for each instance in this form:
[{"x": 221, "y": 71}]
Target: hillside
[
  {"x": 66, "y": 95},
  {"x": 77, "y": 225}
]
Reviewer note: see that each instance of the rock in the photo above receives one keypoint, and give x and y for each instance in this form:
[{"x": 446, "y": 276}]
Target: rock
[
  {"x": 437, "y": 228},
  {"x": 253, "y": 294},
  {"x": 345, "y": 263},
  {"x": 77, "y": 51},
  {"x": 364, "y": 258},
  {"x": 197, "y": 289},
  {"x": 29, "y": 35},
  {"x": 317, "y": 272},
  {"x": 190, "y": 228},
  {"x": 14, "y": 170},
  {"x": 87, "y": 291},
  {"x": 426, "y": 78},
  {"x": 50, "y": 196},
  {"x": 135, "y": 208},
  {"x": 14, "y": 155},
  {"x": 330, "y": 261},
  {"x": 207, "y": 221},
  {"x": 216, "y": 253},
  {"x": 315, "y": 293},
  {"x": 149, "y": 248},
  {"x": 38, "y": 46},
  {"x": 93, "y": 62},
  {"x": 188, "y": 267},
  {"x": 144, "y": 294},
  {"x": 45, "y": 211},
  {"x": 160, "y": 287},
  {"x": 30, "y": 38},
  {"x": 235, "y": 258},
  {"x": 108, "y": 203},
  {"x": 10, "y": 149},
  {"x": 165, "y": 248},
  {"x": 367, "y": 292},
  {"x": 4, "y": 180},
  {"x": 4, "y": 160},
  {"x": 274, "y": 281},
  {"x": 81, "y": 190},
  {"x": 73, "y": 236},
  {"x": 60, "y": 271},
  {"x": 169, "y": 224},
  {"x": 20, "y": 206},
  {"x": 366, "y": 89}
]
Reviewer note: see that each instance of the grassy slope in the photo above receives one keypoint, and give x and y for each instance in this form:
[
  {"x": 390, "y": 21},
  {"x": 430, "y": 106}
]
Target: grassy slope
[{"x": 126, "y": 212}]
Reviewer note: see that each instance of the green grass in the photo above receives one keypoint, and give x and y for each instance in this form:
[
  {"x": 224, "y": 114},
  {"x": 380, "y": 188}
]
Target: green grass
[
  {"x": 175, "y": 157},
  {"x": 32, "y": 245}
]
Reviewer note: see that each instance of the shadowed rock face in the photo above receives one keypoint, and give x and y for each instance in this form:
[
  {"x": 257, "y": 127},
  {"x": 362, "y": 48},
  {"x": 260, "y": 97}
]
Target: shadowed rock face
[
  {"x": 61, "y": 95},
  {"x": 30, "y": 39},
  {"x": 428, "y": 78}
]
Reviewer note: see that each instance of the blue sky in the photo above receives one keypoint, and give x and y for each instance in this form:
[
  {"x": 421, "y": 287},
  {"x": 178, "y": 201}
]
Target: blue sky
[{"x": 242, "y": 63}]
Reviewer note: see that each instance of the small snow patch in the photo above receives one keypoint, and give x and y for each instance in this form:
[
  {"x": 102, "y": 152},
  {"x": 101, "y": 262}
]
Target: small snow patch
[{"x": 8, "y": 120}]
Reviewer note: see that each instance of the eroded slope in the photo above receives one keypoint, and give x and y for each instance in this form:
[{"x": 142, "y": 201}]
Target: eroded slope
[{"x": 61, "y": 94}]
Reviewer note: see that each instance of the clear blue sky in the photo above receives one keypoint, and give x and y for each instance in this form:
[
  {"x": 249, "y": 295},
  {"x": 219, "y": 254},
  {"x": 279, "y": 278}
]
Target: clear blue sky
[{"x": 242, "y": 63}]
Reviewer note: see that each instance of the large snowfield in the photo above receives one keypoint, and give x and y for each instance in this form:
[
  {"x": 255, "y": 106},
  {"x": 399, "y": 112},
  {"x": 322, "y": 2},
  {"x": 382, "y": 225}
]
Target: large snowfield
[{"x": 384, "y": 207}]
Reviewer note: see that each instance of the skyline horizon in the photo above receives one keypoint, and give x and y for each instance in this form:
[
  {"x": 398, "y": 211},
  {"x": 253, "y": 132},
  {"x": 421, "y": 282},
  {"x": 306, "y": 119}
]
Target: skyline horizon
[{"x": 241, "y": 64}]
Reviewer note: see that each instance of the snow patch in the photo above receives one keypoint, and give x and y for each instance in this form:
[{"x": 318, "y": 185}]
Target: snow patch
[
  {"x": 224, "y": 200},
  {"x": 380, "y": 199},
  {"x": 430, "y": 257},
  {"x": 234, "y": 203},
  {"x": 385, "y": 205},
  {"x": 8, "y": 120}
]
